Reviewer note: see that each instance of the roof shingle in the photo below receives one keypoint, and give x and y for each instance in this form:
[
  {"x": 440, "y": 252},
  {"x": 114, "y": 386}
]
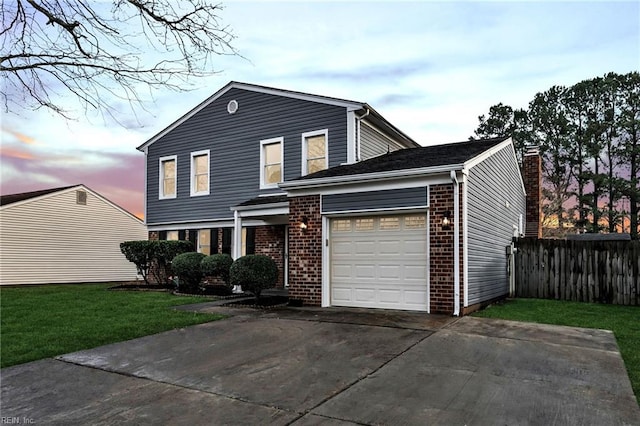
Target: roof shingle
[{"x": 413, "y": 158}]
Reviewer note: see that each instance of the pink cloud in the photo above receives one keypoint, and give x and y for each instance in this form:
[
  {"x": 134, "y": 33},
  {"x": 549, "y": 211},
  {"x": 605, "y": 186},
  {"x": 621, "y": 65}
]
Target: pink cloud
[{"x": 118, "y": 177}]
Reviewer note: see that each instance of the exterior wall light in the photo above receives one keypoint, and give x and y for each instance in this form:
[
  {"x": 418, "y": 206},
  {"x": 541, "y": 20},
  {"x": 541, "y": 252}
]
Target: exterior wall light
[
  {"x": 304, "y": 224},
  {"x": 446, "y": 220}
]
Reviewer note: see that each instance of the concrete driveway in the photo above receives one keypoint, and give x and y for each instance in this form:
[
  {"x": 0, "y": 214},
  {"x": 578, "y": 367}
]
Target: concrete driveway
[{"x": 333, "y": 367}]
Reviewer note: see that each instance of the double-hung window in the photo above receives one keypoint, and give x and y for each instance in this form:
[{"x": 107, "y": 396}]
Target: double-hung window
[
  {"x": 271, "y": 162},
  {"x": 200, "y": 173},
  {"x": 168, "y": 177},
  {"x": 314, "y": 151}
]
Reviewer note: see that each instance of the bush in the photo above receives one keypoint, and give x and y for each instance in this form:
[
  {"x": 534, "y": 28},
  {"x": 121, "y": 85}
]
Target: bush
[
  {"x": 187, "y": 267},
  {"x": 154, "y": 257},
  {"x": 217, "y": 265},
  {"x": 254, "y": 273},
  {"x": 139, "y": 253}
]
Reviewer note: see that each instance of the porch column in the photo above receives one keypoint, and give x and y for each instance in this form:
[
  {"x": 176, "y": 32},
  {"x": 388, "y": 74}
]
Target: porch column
[{"x": 237, "y": 242}]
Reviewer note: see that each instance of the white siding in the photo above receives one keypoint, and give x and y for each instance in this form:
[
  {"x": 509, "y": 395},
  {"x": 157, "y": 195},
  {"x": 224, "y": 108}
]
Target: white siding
[
  {"x": 373, "y": 143},
  {"x": 495, "y": 202},
  {"x": 55, "y": 240}
]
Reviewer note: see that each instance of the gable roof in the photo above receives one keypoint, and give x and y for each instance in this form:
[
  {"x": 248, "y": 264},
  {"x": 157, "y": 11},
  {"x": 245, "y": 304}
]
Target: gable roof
[
  {"x": 23, "y": 196},
  {"x": 451, "y": 154},
  {"x": 345, "y": 103},
  {"x": 9, "y": 200}
]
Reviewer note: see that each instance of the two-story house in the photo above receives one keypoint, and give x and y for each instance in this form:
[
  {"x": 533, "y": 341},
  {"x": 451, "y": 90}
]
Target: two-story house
[{"x": 353, "y": 211}]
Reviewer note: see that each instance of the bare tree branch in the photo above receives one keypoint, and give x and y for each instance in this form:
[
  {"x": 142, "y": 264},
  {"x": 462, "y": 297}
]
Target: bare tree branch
[{"x": 96, "y": 50}]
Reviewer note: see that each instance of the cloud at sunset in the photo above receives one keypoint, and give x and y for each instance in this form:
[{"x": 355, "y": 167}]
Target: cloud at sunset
[{"x": 119, "y": 177}]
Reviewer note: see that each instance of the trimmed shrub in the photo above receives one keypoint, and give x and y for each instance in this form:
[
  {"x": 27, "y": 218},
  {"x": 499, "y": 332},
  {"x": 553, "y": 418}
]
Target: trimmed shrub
[
  {"x": 217, "y": 265},
  {"x": 140, "y": 253},
  {"x": 153, "y": 258},
  {"x": 165, "y": 252},
  {"x": 187, "y": 267},
  {"x": 254, "y": 273}
]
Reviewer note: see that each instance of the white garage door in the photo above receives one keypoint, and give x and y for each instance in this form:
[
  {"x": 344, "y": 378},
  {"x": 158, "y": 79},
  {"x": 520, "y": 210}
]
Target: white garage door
[{"x": 379, "y": 262}]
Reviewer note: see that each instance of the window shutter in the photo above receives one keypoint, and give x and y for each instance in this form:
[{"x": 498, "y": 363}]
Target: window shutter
[
  {"x": 162, "y": 235},
  {"x": 214, "y": 240},
  {"x": 226, "y": 240},
  {"x": 193, "y": 237},
  {"x": 181, "y": 234},
  {"x": 251, "y": 241}
]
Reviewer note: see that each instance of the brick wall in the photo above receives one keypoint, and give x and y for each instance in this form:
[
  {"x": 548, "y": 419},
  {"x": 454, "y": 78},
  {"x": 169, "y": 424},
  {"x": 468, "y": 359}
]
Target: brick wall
[
  {"x": 531, "y": 174},
  {"x": 305, "y": 250},
  {"x": 441, "y": 251},
  {"x": 270, "y": 242}
]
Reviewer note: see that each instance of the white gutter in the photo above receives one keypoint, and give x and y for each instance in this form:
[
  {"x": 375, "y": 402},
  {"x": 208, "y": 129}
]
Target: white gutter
[{"x": 456, "y": 244}]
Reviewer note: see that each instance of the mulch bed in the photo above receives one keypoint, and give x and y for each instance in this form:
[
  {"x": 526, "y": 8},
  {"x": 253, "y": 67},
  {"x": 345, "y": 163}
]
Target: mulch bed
[{"x": 265, "y": 302}]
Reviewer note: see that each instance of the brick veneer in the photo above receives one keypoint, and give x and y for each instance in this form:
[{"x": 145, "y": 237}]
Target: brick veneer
[
  {"x": 270, "y": 242},
  {"x": 305, "y": 250},
  {"x": 531, "y": 174},
  {"x": 441, "y": 251}
]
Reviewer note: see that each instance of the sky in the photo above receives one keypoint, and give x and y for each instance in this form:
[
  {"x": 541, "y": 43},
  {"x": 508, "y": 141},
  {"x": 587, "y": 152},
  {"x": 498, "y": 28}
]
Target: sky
[{"x": 430, "y": 68}]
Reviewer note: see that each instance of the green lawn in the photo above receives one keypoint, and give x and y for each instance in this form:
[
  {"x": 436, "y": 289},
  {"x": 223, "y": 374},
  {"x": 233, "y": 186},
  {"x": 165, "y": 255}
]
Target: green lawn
[
  {"x": 624, "y": 321},
  {"x": 45, "y": 321}
]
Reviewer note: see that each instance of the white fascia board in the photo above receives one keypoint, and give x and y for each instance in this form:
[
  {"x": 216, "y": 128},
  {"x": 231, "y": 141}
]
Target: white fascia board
[
  {"x": 366, "y": 177},
  {"x": 350, "y": 105},
  {"x": 274, "y": 210},
  {"x": 383, "y": 185},
  {"x": 488, "y": 153}
]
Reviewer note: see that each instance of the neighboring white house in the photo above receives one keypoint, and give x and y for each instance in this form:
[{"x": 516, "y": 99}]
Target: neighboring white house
[{"x": 65, "y": 235}]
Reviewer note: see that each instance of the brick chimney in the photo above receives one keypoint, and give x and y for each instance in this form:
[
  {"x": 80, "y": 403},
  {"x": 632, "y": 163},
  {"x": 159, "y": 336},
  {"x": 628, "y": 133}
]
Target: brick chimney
[{"x": 532, "y": 176}]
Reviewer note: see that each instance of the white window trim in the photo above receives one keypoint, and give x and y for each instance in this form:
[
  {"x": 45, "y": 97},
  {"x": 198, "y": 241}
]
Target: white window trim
[
  {"x": 161, "y": 161},
  {"x": 306, "y": 135},
  {"x": 264, "y": 142},
  {"x": 192, "y": 173}
]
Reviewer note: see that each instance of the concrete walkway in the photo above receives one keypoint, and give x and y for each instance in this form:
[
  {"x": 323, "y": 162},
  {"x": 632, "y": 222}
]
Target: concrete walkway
[{"x": 336, "y": 367}]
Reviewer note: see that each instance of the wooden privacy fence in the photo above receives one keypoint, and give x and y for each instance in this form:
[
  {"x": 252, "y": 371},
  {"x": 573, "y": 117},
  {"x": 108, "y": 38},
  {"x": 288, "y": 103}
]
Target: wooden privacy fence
[{"x": 583, "y": 271}]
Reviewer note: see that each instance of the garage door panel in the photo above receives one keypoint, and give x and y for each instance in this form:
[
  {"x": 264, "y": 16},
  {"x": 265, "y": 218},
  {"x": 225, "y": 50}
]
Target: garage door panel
[
  {"x": 342, "y": 271},
  {"x": 390, "y": 296},
  {"x": 365, "y": 272},
  {"x": 418, "y": 272},
  {"x": 390, "y": 272},
  {"x": 389, "y": 247},
  {"x": 365, "y": 294},
  {"x": 341, "y": 294},
  {"x": 367, "y": 248},
  {"x": 341, "y": 247},
  {"x": 388, "y": 262}
]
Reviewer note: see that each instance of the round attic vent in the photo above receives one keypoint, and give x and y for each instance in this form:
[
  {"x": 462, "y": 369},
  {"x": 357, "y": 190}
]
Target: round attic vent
[{"x": 232, "y": 106}]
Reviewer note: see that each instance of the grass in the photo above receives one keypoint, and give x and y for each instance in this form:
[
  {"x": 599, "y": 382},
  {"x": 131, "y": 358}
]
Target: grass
[
  {"x": 45, "y": 321},
  {"x": 624, "y": 321}
]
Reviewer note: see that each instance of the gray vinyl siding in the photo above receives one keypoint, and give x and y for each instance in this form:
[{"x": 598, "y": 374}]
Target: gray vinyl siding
[
  {"x": 375, "y": 200},
  {"x": 373, "y": 144},
  {"x": 491, "y": 185},
  {"x": 234, "y": 144}
]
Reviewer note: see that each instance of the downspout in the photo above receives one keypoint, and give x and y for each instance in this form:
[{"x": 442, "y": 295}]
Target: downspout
[
  {"x": 456, "y": 244},
  {"x": 358, "y": 120}
]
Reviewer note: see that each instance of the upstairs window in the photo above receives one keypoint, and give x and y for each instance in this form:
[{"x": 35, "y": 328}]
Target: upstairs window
[
  {"x": 314, "y": 151},
  {"x": 200, "y": 173},
  {"x": 168, "y": 173},
  {"x": 271, "y": 161}
]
